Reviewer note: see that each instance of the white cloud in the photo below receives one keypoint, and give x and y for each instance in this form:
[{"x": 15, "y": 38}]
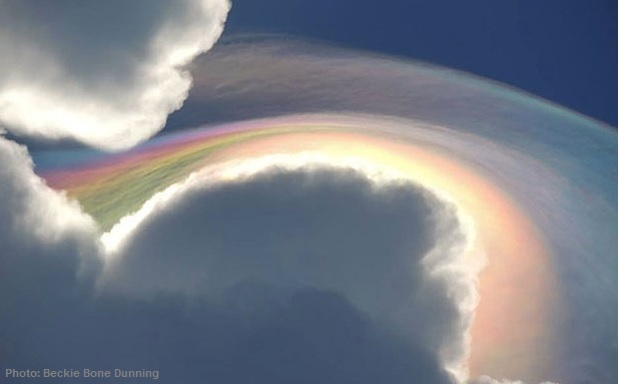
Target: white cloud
[
  {"x": 41, "y": 229},
  {"x": 44, "y": 234},
  {"x": 447, "y": 274},
  {"x": 30, "y": 208},
  {"x": 103, "y": 73},
  {"x": 46, "y": 240}
]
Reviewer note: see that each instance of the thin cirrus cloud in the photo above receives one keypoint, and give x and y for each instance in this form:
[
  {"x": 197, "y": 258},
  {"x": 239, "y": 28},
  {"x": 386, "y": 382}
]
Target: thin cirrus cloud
[{"x": 103, "y": 73}]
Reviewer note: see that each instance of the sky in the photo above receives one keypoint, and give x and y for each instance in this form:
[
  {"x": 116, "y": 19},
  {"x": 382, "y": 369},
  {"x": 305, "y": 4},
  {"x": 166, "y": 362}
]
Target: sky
[{"x": 294, "y": 191}]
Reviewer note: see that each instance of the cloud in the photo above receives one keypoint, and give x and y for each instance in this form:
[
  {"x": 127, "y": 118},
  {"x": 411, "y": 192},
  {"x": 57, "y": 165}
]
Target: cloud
[
  {"x": 317, "y": 274},
  {"x": 103, "y": 73},
  {"x": 447, "y": 269},
  {"x": 32, "y": 214},
  {"x": 253, "y": 286},
  {"x": 48, "y": 252},
  {"x": 326, "y": 229}
]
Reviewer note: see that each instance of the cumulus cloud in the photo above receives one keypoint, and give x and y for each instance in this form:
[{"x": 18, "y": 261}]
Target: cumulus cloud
[
  {"x": 282, "y": 231},
  {"x": 103, "y": 73},
  {"x": 33, "y": 214},
  {"x": 274, "y": 288},
  {"x": 48, "y": 252},
  {"x": 286, "y": 276},
  {"x": 447, "y": 270}
]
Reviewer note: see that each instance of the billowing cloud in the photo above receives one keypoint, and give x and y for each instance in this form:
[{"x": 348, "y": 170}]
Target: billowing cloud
[
  {"x": 48, "y": 252},
  {"x": 245, "y": 285},
  {"x": 33, "y": 214},
  {"x": 103, "y": 73}
]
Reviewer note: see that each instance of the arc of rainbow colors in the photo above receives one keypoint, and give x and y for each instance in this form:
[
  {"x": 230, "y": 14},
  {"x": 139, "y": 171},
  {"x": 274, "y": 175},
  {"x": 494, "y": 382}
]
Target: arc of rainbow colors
[{"x": 519, "y": 272}]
